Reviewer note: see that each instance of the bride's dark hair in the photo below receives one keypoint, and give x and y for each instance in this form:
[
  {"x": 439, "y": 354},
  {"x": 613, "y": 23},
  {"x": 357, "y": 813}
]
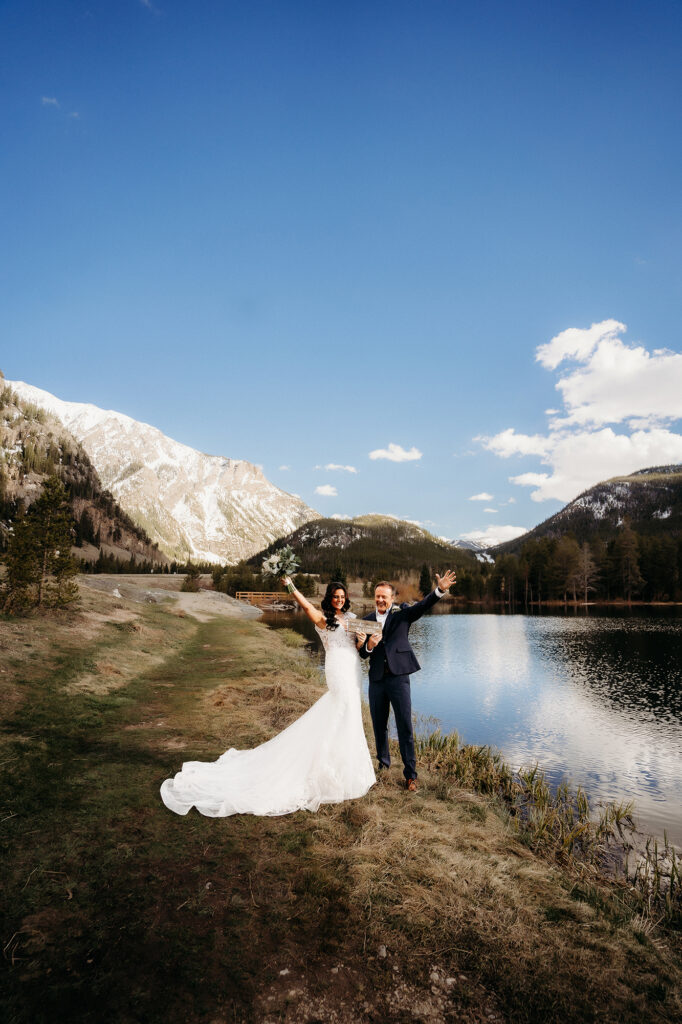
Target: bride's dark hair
[{"x": 329, "y": 611}]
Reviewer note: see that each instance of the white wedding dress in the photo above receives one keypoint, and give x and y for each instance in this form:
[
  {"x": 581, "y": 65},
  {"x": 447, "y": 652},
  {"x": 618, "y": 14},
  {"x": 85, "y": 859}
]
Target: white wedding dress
[{"x": 321, "y": 758}]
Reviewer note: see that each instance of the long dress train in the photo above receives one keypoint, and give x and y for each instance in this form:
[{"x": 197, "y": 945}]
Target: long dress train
[{"x": 320, "y": 758}]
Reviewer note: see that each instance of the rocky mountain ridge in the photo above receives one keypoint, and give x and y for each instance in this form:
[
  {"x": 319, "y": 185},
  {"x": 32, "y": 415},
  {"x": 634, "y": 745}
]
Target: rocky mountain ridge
[
  {"x": 649, "y": 499},
  {"x": 195, "y": 506}
]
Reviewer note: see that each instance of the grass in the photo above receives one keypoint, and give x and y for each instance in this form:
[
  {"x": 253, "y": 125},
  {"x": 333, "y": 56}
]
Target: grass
[
  {"x": 559, "y": 824},
  {"x": 115, "y": 910}
]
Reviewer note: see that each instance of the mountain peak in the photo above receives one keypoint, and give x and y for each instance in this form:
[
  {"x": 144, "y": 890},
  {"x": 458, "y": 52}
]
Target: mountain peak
[{"x": 204, "y": 507}]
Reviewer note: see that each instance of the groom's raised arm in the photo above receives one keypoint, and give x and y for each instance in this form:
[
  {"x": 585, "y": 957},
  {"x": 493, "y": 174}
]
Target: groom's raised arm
[{"x": 444, "y": 583}]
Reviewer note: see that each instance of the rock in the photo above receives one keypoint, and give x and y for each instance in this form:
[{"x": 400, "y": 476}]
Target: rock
[
  {"x": 434, "y": 977},
  {"x": 381, "y": 952},
  {"x": 285, "y": 972}
]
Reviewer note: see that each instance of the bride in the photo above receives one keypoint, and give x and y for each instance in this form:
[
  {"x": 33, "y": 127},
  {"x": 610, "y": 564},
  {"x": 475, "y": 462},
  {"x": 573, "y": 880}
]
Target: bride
[{"x": 320, "y": 758}]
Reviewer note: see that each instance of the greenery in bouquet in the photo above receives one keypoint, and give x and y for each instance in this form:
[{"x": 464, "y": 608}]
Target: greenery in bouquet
[{"x": 281, "y": 563}]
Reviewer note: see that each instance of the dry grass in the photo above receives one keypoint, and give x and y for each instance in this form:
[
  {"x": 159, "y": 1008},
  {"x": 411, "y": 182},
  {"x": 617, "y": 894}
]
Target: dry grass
[{"x": 392, "y": 908}]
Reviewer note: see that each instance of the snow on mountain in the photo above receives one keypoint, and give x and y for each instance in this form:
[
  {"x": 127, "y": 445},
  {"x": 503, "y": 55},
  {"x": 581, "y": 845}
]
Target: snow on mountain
[
  {"x": 650, "y": 500},
  {"x": 204, "y": 507}
]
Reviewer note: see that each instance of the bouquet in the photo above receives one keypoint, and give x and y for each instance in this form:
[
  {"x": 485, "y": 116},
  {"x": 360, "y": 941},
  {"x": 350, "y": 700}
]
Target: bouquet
[{"x": 281, "y": 563}]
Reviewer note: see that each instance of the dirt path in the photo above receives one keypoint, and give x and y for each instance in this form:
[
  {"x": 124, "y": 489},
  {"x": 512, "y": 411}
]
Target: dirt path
[{"x": 203, "y": 605}]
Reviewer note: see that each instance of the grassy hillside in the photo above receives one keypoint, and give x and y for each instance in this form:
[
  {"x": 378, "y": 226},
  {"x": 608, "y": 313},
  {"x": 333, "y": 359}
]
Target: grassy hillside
[
  {"x": 369, "y": 547},
  {"x": 388, "y": 909}
]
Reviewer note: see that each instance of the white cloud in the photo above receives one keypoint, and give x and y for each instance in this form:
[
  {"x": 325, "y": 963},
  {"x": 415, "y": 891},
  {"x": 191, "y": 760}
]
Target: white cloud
[
  {"x": 284, "y": 468},
  {"x": 615, "y": 383},
  {"x": 483, "y": 496},
  {"x": 335, "y": 466},
  {"x": 340, "y": 516},
  {"x": 491, "y": 511},
  {"x": 511, "y": 501},
  {"x": 529, "y": 479},
  {"x": 74, "y": 114},
  {"x": 396, "y": 453},
  {"x": 49, "y": 101},
  {"x": 577, "y": 343},
  {"x": 581, "y": 459},
  {"x": 620, "y": 383},
  {"x": 494, "y": 535},
  {"x": 508, "y": 443},
  {"x": 327, "y": 491}
]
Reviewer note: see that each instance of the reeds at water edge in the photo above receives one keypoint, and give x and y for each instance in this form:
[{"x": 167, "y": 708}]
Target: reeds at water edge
[{"x": 559, "y": 823}]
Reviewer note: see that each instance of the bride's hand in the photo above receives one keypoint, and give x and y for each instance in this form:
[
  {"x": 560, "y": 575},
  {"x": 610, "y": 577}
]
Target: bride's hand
[{"x": 360, "y": 639}]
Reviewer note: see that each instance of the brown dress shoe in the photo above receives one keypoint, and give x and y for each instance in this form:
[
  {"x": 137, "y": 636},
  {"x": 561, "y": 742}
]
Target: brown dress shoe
[{"x": 411, "y": 785}]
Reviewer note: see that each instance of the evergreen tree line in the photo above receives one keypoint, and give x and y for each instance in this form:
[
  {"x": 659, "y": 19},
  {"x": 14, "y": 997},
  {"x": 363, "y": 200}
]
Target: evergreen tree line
[
  {"x": 233, "y": 578},
  {"x": 629, "y": 566}
]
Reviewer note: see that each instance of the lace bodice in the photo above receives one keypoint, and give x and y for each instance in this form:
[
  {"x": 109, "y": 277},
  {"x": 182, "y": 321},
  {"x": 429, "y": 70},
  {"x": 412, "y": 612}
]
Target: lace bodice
[{"x": 333, "y": 639}]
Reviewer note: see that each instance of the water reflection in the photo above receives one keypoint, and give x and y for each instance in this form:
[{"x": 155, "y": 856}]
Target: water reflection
[{"x": 597, "y": 700}]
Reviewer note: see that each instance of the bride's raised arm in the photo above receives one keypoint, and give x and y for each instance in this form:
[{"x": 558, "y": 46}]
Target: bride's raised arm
[{"x": 314, "y": 614}]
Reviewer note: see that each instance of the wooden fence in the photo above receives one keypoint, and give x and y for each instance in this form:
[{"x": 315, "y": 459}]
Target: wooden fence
[{"x": 265, "y": 596}]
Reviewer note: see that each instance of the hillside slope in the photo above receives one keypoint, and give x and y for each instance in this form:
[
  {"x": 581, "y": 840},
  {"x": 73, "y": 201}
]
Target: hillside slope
[
  {"x": 35, "y": 445},
  {"x": 368, "y": 546},
  {"x": 650, "y": 499}
]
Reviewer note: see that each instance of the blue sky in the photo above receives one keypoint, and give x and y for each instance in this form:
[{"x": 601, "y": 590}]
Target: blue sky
[{"x": 302, "y": 232}]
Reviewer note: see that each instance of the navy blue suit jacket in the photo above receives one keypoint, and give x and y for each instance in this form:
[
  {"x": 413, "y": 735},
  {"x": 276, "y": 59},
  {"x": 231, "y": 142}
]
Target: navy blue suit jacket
[{"x": 394, "y": 648}]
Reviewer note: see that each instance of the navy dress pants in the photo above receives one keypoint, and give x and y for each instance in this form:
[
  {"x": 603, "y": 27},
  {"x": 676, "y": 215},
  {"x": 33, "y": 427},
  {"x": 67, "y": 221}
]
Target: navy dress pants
[{"x": 393, "y": 692}]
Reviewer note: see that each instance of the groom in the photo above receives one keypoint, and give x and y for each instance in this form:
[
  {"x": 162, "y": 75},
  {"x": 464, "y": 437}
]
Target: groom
[{"x": 391, "y": 662}]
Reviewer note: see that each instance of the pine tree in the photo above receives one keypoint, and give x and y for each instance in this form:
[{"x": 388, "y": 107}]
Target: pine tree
[
  {"x": 21, "y": 566},
  {"x": 425, "y": 580},
  {"x": 190, "y": 584},
  {"x": 53, "y": 520},
  {"x": 626, "y": 551},
  {"x": 587, "y": 571},
  {"x": 339, "y": 576},
  {"x": 40, "y": 567}
]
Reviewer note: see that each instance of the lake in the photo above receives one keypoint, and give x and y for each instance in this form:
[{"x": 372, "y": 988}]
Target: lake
[{"x": 595, "y": 698}]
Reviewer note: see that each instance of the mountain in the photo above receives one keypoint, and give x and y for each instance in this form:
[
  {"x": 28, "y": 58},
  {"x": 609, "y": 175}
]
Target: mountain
[
  {"x": 651, "y": 499},
  {"x": 369, "y": 546},
  {"x": 34, "y": 445},
  {"x": 203, "y": 507}
]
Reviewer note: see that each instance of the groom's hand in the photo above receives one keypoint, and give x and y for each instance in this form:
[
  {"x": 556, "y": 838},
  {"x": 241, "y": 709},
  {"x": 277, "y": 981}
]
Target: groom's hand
[
  {"x": 373, "y": 641},
  {"x": 446, "y": 581}
]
